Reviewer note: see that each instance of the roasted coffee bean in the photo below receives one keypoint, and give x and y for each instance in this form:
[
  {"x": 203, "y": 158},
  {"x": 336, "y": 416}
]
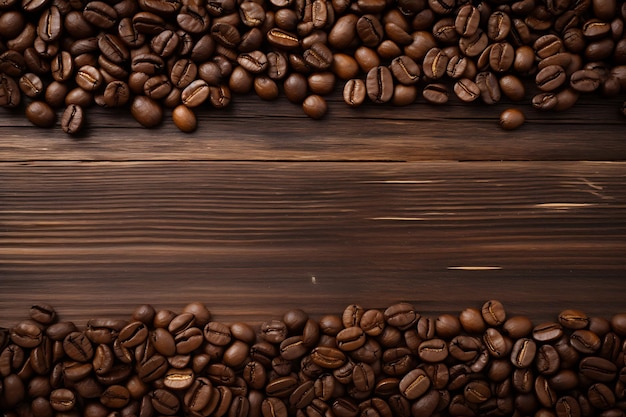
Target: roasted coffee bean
[
  {"x": 435, "y": 64},
  {"x": 524, "y": 350},
  {"x": 351, "y": 338},
  {"x": 266, "y": 88},
  {"x": 354, "y": 92},
  {"x": 372, "y": 322},
  {"x": 29, "y": 334},
  {"x": 547, "y": 332},
  {"x": 9, "y": 92},
  {"x": 511, "y": 119},
  {"x": 405, "y": 70},
  {"x": 194, "y": 95},
  {"x": 495, "y": 343},
  {"x": 498, "y": 26},
  {"x": 567, "y": 406},
  {"x": 467, "y": 20},
  {"x": 100, "y": 14},
  {"x": 370, "y": 30},
  {"x": 585, "y": 80},
  {"x": 501, "y": 57},
  {"x": 512, "y": 87},
  {"x": 31, "y": 85},
  {"x": 327, "y": 357},
  {"x": 62, "y": 399},
  {"x": 490, "y": 92},
  {"x": 318, "y": 56},
  {"x": 597, "y": 369},
  {"x": 475, "y": 44},
  {"x": 198, "y": 395},
  {"x": 379, "y": 85},
  {"x": 315, "y": 106},
  {"x": 146, "y": 111},
  {"x": 545, "y": 101},
  {"x": 164, "y": 402},
  {"x": 115, "y": 396},
  {"x": 585, "y": 341},
  {"x": 414, "y": 384},
  {"x": 550, "y": 78},
  {"x": 50, "y": 24},
  {"x": 433, "y": 350},
  {"x": 72, "y": 121},
  {"x": 273, "y": 407}
]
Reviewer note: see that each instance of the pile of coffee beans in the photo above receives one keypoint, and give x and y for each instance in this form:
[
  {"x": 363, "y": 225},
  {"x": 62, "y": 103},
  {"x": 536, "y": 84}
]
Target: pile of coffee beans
[
  {"x": 148, "y": 55},
  {"x": 391, "y": 362}
]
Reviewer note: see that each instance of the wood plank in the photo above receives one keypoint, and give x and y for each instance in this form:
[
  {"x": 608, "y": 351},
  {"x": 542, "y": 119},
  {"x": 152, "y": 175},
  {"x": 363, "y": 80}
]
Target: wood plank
[
  {"x": 253, "y": 239},
  {"x": 251, "y": 129}
]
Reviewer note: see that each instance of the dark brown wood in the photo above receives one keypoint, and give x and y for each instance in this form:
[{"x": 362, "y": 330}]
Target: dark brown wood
[
  {"x": 251, "y": 129},
  {"x": 252, "y": 239}
]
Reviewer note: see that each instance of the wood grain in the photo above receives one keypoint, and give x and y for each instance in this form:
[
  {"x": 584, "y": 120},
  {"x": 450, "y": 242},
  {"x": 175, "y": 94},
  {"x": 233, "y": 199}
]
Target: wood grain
[
  {"x": 252, "y": 239},
  {"x": 254, "y": 130}
]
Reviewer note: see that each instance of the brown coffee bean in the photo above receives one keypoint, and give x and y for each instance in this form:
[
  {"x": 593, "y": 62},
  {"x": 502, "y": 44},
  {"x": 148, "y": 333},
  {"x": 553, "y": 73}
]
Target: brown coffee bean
[
  {"x": 493, "y": 313},
  {"x": 414, "y": 384},
  {"x": 273, "y": 407},
  {"x": 266, "y": 88},
  {"x": 354, "y": 92},
  {"x": 62, "y": 399},
  {"x": 523, "y": 353},
  {"x": 328, "y": 357},
  {"x": 547, "y": 332},
  {"x": 115, "y": 396},
  {"x": 585, "y": 341},
  {"x": 164, "y": 402},
  {"x": 146, "y": 111},
  {"x": 597, "y": 369},
  {"x": 40, "y": 114},
  {"x": 550, "y": 78},
  {"x": 467, "y": 20},
  {"x": 512, "y": 87},
  {"x": 567, "y": 406},
  {"x": 498, "y": 26},
  {"x": 315, "y": 106},
  {"x": 73, "y": 119},
  {"x": 100, "y": 14}
]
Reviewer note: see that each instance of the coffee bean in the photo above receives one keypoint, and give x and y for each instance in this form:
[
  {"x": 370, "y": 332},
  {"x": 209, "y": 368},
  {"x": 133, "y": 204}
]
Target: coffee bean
[
  {"x": 467, "y": 20},
  {"x": 273, "y": 407},
  {"x": 414, "y": 384},
  {"x": 545, "y": 101},
  {"x": 146, "y": 111},
  {"x": 511, "y": 119},
  {"x": 547, "y": 332},
  {"x": 498, "y": 26},
  {"x": 266, "y": 88},
  {"x": 50, "y": 24},
  {"x": 490, "y": 92},
  {"x": 354, "y": 92},
  {"x": 318, "y": 56},
  {"x": 72, "y": 120},
  {"x": 62, "y": 399},
  {"x": 40, "y": 114},
  {"x": 597, "y": 369},
  {"x": 100, "y": 14},
  {"x": 115, "y": 396},
  {"x": 524, "y": 350},
  {"x": 164, "y": 402},
  {"x": 315, "y": 106}
]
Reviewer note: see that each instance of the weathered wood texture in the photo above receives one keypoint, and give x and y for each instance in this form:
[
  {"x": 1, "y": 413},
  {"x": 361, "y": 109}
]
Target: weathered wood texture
[{"x": 252, "y": 239}]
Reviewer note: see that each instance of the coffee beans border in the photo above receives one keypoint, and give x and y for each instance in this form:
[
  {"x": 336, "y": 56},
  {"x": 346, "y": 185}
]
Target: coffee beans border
[
  {"x": 363, "y": 362},
  {"x": 151, "y": 55}
]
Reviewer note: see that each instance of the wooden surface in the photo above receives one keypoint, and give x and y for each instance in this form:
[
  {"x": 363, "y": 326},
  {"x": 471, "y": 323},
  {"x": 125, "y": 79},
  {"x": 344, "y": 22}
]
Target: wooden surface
[{"x": 263, "y": 209}]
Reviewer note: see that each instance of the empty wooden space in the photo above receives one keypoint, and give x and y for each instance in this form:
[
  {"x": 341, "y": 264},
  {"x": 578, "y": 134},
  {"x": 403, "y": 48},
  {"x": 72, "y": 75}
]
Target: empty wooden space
[{"x": 263, "y": 209}]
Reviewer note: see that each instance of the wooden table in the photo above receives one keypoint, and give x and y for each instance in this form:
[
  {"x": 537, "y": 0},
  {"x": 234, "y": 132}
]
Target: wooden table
[{"x": 263, "y": 209}]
